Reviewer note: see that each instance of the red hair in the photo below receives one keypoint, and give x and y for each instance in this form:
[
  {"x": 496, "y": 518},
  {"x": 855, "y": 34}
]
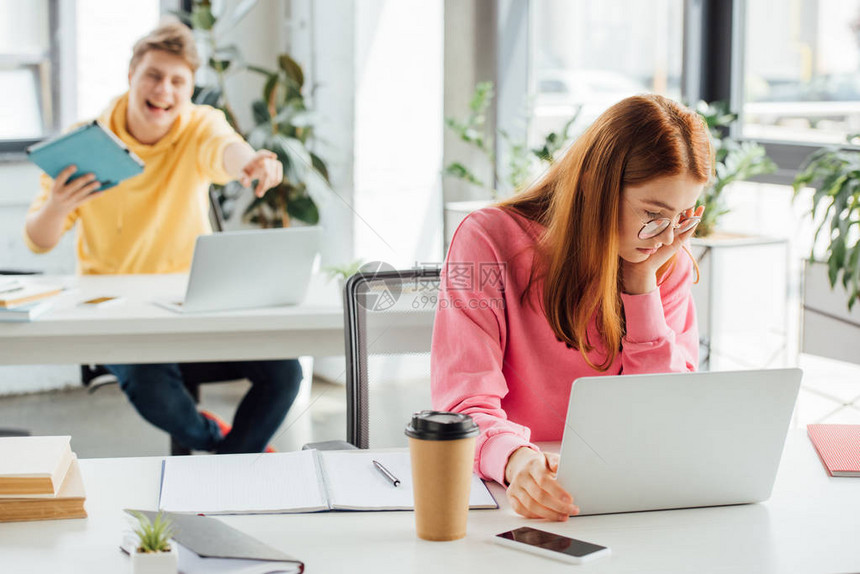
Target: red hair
[{"x": 639, "y": 139}]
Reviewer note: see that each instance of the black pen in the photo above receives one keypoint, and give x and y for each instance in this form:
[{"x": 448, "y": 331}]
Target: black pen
[{"x": 386, "y": 473}]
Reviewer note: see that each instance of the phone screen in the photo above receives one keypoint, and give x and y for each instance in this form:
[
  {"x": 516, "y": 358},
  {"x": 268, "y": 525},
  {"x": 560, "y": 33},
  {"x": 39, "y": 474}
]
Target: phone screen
[{"x": 550, "y": 541}]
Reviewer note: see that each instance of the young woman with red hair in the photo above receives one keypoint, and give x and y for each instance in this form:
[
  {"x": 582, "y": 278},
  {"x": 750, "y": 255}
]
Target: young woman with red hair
[{"x": 584, "y": 274}]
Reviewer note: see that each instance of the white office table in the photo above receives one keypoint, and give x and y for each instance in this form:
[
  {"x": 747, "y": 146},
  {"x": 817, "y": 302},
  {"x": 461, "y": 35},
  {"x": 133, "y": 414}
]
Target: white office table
[
  {"x": 810, "y": 524},
  {"x": 138, "y": 331}
]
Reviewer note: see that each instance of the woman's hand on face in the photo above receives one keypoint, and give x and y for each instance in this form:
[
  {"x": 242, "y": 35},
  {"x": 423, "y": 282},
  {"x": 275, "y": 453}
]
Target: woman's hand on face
[
  {"x": 534, "y": 491},
  {"x": 639, "y": 278},
  {"x": 67, "y": 195}
]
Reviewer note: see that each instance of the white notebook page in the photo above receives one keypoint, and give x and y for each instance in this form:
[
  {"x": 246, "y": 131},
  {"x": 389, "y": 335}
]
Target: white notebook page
[
  {"x": 353, "y": 483},
  {"x": 242, "y": 484}
]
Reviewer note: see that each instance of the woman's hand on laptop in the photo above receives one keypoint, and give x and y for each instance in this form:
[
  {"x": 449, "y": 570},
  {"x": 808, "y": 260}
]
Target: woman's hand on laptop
[{"x": 534, "y": 491}]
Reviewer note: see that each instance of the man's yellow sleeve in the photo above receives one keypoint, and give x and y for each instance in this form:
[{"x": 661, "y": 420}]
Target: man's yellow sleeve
[
  {"x": 215, "y": 135},
  {"x": 46, "y": 184}
]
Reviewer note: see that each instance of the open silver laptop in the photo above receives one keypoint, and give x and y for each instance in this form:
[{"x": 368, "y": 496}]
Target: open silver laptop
[
  {"x": 681, "y": 440},
  {"x": 249, "y": 269}
]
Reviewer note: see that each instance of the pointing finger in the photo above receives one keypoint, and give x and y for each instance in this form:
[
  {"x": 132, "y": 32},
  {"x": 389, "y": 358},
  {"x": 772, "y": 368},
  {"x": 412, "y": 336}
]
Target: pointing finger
[{"x": 262, "y": 186}]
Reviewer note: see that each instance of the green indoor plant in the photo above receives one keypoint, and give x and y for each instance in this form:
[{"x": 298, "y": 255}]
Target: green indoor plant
[
  {"x": 835, "y": 175},
  {"x": 282, "y": 121},
  {"x": 345, "y": 271},
  {"x": 735, "y": 161},
  {"x": 154, "y": 554},
  {"x": 523, "y": 161}
]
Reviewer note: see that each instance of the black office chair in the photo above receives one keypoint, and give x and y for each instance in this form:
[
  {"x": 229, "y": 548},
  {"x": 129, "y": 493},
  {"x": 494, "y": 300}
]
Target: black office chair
[
  {"x": 194, "y": 374},
  {"x": 14, "y": 432},
  {"x": 388, "y": 319}
]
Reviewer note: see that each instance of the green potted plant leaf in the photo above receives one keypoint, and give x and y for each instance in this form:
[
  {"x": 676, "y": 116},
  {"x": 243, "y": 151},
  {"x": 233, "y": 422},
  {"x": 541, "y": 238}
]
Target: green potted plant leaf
[
  {"x": 831, "y": 276},
  {"x": 522, "y": 162},
  {"x": 154, "y": 553},
  {"x": 283, "y": 123},
  {"x": 835, "y": 175},
  {"x": 343, "y": 272}
]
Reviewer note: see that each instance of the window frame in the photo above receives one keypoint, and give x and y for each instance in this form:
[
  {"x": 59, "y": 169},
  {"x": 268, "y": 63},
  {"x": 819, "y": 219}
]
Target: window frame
[
  {"x": 58, "y": 107},
  {"x": 730, "y": 15},
  {"x": 712, "y": 69}
]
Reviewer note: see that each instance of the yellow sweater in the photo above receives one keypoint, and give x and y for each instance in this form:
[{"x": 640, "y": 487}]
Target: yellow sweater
[{"x": 149, "y": 223}]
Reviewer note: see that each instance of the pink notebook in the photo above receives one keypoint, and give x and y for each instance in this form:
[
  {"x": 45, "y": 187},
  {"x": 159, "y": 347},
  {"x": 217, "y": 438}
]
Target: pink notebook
[{"x": 838, "y": 446}]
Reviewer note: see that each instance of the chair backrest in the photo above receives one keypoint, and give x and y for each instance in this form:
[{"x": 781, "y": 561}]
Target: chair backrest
[
  {"x": 216, "y": 215},
  {"x": 388, "y": 318}
]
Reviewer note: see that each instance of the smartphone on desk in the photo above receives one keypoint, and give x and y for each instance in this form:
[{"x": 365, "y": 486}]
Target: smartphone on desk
[{"x": 551, "y": 545}]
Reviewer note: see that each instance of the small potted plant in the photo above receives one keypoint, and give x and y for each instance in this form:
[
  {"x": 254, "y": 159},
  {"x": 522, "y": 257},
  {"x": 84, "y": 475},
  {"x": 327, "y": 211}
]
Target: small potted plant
[
  {"x": 835, "y": 175},
  {"x": 154, "y": 553},
  {"x": 343, "y": 272},
  {"x": 831, "y": 280}
]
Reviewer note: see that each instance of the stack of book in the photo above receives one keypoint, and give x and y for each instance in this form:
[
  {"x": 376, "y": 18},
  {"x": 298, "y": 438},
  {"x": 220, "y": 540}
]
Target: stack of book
[
  {"x": 39, "y": 479},
  {"x": 20, "y": 301}
]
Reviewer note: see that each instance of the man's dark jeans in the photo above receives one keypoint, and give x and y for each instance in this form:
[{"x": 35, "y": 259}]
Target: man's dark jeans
[{"x": 159, "y": 395}]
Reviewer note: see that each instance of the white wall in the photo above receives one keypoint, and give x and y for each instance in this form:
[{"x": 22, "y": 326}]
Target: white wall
[
  {"x": 398, "y": 131},
  {"x": 321, "y": 37},
  {"x": 376, "y": 71},
  {"x": 259, "y": 39}
]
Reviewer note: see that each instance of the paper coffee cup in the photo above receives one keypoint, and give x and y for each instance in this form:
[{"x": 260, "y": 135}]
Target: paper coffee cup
[{"x": 442, "y": 449}]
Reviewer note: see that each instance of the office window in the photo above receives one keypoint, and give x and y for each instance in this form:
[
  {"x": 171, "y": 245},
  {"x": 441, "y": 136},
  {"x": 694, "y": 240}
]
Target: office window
[
  {"x": 26, "y": 106},
  {"x": 96, "y": 38},
  {"x": 588, "y": 55},
  {"x": 801, "y": 70},
  {"x": 106, "y": 32}
]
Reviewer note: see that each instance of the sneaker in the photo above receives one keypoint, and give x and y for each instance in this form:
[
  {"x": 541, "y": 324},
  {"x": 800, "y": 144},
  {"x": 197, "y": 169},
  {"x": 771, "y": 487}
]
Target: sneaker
[
  {"x": 224, "y": 427},
  {"x": 221, "y": 423}
]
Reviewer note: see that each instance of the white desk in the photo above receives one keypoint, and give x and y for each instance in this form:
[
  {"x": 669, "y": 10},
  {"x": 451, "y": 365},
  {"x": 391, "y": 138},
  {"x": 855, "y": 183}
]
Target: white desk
[
  {"x": 138, "y": 331},
  {"x": 810, "y": 524}
]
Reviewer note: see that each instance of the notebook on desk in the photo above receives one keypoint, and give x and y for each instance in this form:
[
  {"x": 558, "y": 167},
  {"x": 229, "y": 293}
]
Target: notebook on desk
[
  {"x": 289, "y": 482},
  {"x": 838, "y": 446},
  {"x": 207, "y": 545},
  {"x": 249, "y": 269},
  {"x": 681, "y": 440}
]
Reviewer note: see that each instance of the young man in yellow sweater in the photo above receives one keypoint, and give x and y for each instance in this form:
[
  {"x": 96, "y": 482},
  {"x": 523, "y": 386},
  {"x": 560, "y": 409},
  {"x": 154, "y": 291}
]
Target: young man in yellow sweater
[{"x": 149, "y": 224}]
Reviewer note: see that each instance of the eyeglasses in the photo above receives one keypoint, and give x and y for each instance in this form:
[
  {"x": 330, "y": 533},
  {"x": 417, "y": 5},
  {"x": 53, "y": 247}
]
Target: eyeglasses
[{"x": 654, "y": 227}]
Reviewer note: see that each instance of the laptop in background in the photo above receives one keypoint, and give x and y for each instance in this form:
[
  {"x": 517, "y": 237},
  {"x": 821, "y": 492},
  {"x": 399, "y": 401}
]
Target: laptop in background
[
  {"x": 249, "y": 269},
  {"x": 679, "y": 440}
]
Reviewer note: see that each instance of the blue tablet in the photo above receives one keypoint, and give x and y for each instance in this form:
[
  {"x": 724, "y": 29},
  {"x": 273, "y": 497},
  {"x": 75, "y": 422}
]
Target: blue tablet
[{"x": 93, "y": 149}]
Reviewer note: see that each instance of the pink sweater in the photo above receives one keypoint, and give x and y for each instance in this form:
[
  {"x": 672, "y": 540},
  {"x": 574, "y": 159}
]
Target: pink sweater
[{"x": 497, "y": 359}]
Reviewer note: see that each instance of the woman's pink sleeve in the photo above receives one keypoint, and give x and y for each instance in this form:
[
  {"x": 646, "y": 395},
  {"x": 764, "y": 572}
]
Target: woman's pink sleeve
[
  {"x": 469, "y": 337},
  {"x": 662, "y": 334}
]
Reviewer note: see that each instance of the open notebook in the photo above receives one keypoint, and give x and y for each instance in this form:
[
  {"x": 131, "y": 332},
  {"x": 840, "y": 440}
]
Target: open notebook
[{"x": 304, "y": 481}]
